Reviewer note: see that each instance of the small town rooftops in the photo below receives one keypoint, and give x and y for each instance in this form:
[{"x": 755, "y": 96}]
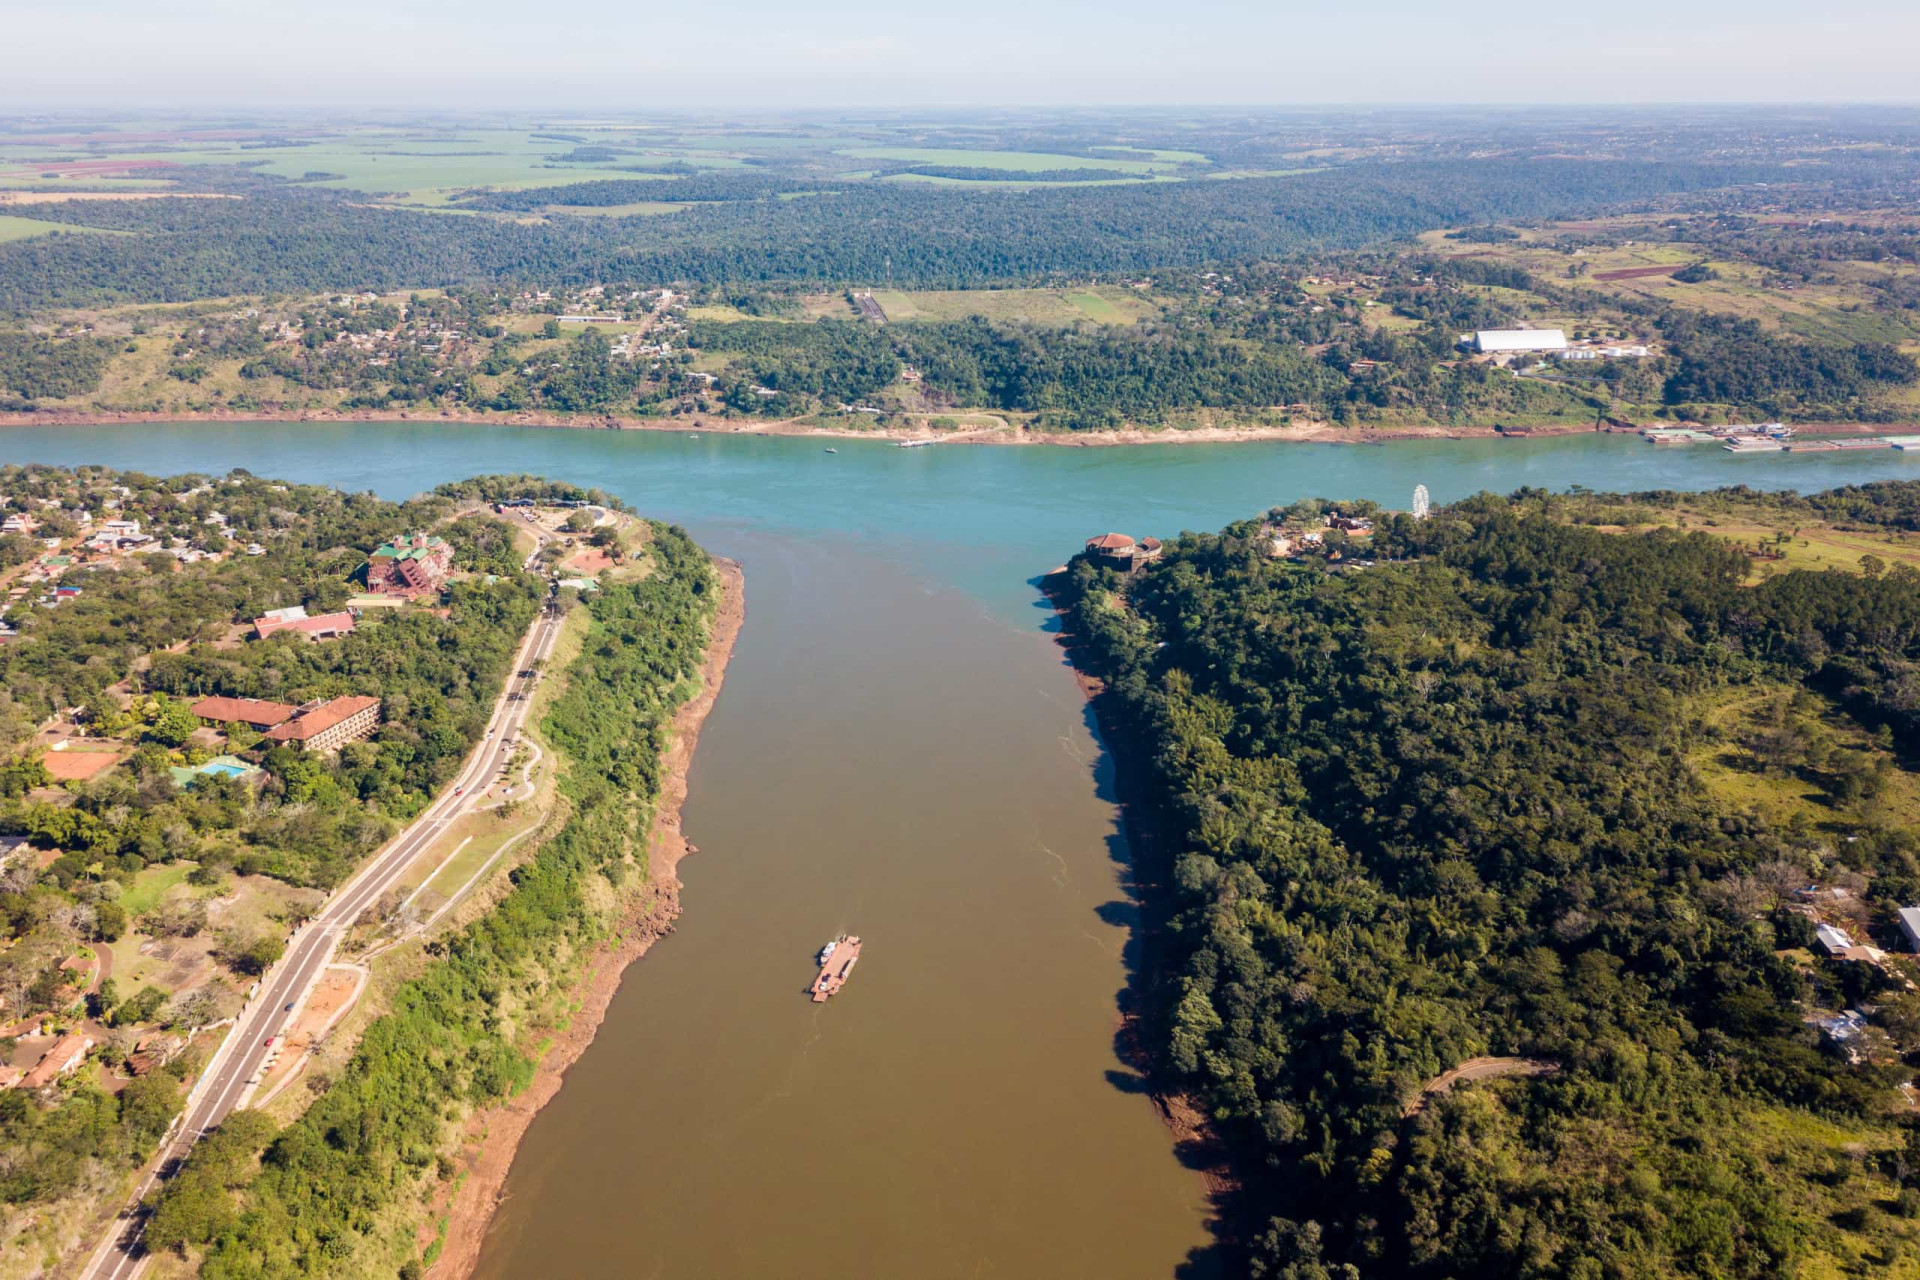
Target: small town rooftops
[
  {"x": 1109, "y": 542},
  {"x": 255, "y": 711}
]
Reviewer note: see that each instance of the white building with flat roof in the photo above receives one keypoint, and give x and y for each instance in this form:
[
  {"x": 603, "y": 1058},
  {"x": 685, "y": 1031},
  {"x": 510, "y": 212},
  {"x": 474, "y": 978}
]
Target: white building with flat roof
[
  {"x": 1910, "y": 925},
  {"x": 1520, "y": 340}
]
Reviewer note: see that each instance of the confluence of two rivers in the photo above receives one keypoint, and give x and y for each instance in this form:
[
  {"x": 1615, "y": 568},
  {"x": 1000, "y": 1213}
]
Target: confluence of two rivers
[{"x": 901, "y": 753}]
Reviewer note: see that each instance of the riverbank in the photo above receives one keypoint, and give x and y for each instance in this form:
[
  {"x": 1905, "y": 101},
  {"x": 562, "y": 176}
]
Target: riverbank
[
  {"x": 1198, "y": 1143},
  {"x": 499, "y": 1130},
  {"x": 1007, "y": 433}
]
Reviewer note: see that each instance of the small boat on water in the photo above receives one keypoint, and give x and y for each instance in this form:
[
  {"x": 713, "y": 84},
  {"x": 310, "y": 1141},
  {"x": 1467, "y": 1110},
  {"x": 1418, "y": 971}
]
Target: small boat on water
[
  {"x": 916, "y": 444},
  {"x": 837, "y": 959},
  {"x": 833, "y": 451}
]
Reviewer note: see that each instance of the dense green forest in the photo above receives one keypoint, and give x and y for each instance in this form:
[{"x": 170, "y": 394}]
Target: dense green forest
[
  {"x": 1457, "y": 803},
  {"x": 280, "y": 240},
  {"x": 1719, "y": 359},
  {"x": 33, "y": 366},
  {"x": 459, "y": 1034},
  {"x": 1098, "y": 376},
  {"x": 1101, "y": 376}
]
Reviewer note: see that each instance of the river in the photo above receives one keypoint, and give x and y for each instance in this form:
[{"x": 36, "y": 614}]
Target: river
[{"x": 900, "y": 752}]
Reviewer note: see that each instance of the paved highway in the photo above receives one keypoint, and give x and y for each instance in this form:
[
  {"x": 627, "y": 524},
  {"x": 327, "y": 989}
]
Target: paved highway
[{"x": 238, "y": 1064}]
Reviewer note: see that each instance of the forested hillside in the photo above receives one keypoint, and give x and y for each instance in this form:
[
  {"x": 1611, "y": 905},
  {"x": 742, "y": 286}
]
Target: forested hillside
[{"x": 1501, "y": 782}]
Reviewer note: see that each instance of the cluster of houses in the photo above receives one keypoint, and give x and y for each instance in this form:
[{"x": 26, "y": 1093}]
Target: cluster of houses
[
  {"x": 1285, "y": 543},
  {"x": 1846, "y": 1029},
  {"x": 55, "y": 1055},
  {"x": 41, "y": 1054},
  {"x": 98, "y": 547},
  {"x": 443, "y": 342}
]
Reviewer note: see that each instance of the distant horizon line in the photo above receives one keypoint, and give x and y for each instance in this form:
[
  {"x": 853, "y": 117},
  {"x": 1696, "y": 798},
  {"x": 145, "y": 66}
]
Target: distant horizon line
[{"x": 1773, "y": 106}]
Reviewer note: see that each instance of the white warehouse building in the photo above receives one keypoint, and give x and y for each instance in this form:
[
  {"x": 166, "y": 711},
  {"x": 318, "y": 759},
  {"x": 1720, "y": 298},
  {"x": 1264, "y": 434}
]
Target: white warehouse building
[{"x": 1520, "y": 340}]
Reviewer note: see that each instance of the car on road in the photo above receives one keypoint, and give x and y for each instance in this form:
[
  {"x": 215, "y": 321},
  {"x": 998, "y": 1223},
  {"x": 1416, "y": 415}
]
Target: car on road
[
  {"x": 289, "y": 1008},
  {"x": 459, "y": 791},
  {"x": 267, "y": 1043}
]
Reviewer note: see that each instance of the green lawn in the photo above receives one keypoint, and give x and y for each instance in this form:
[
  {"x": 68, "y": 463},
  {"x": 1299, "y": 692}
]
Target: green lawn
[{"x": 150, "y": 885}]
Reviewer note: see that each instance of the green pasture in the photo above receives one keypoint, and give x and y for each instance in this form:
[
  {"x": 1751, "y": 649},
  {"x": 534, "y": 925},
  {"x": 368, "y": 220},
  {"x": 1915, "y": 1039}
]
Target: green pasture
[
  {"x": 1160, "y": 153},
  {"x": 13, "y": 227},
  {"x": 417, "y": 164},
  {"x": 1024, "y": 161},
  {"x": 1016, "y": 184}
]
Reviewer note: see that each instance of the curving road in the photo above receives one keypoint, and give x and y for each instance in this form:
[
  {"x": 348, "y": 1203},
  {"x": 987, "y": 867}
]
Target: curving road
[{"x": 242, "y": 1057}]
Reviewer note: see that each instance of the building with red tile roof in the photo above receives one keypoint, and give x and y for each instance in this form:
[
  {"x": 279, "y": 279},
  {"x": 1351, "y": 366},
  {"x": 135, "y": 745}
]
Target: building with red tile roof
[
  {"x": 257, "y": 712},
  {"x": 323, "y": 627},
  {"x": 330, "y": 725},
  {"x": 410, "y": 566},
  {"x": 68, "y": 1052},
  {"x": 1118, "y": 551}
]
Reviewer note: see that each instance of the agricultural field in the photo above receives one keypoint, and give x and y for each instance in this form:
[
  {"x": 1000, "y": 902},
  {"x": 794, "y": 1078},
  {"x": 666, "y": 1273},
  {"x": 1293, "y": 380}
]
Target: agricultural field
[
  {"x": 18, "y": 228},
  {"x": 1099, "y": 304},
  {"x": 639, "y": 208},
  {"x": 426, "y": 165},
  {"x": 1023, "y": 161},
  {"x": 1158, "y": 153},
  {"x": 415, "y": 165},
  {"x": 940, "y": 180}
]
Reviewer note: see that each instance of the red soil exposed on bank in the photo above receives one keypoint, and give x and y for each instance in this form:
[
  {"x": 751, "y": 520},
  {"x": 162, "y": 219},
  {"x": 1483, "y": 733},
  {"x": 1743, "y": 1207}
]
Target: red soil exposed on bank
[{"x": 499, "y": 1130}]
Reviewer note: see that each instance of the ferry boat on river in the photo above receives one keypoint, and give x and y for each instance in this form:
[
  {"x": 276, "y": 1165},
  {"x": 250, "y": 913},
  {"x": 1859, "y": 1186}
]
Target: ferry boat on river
[{"x": 836, "y": 962}]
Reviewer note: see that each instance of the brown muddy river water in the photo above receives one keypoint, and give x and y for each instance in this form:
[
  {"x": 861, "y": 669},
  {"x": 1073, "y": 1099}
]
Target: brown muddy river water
[
  {"x": 900, "y": 753},
  {"x": 893, "y": 762}
]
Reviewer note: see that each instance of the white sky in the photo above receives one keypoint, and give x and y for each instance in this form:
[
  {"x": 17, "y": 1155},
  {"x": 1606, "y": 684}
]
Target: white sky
[{"x": 65, "y": 54}]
